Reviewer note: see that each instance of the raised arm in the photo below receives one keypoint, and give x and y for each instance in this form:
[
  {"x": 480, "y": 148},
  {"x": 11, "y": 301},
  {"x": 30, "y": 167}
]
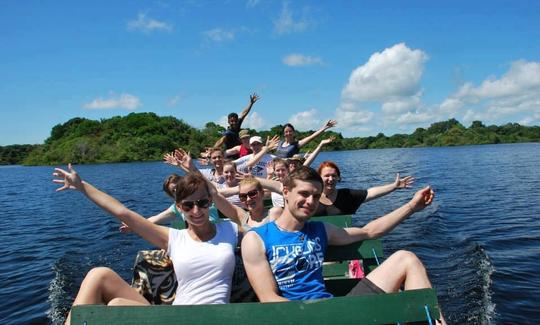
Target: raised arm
[
  {"x": 270, "y": 145},
  {"x": 378, "y": 191},
  {"x": 233, "y": 151},
  {"x": 382, "y": 225},
  {"x": 219, "y": 142},
  {"x": 311, "y": 157},
  {"x": 230, "y": 210},
  {"x": 158, "y": 219},
  {"x": 306, "y": 140},
  {"x": 252, "y": 99},
  {"x": 155, "y": 234},
  {"x": 258, "y": 269}
]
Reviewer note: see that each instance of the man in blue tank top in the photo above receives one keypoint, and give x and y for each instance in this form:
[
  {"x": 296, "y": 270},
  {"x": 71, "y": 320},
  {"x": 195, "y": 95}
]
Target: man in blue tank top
[{"x": 283, "y": 258}]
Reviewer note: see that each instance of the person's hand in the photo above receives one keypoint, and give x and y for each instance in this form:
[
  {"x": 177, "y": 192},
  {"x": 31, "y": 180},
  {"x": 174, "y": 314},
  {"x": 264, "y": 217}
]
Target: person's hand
[
  {"x": 404, "y": 182},
  {"x": 253, "y": 98},
  {"x": 70, "y": 179},
  {"x": 183, "y": 158},
  {"x": 422, "y": 199},
  {"x": 270, "y": 169},
  {"x": 272, "y": 143},
  {"x": 170, "y": 159},
  {"x": 240, "y": 176},
  {"x": 124, "y": 228},
  {"x": 327, "y": 141},
  {"x": 330, "y": 124}
]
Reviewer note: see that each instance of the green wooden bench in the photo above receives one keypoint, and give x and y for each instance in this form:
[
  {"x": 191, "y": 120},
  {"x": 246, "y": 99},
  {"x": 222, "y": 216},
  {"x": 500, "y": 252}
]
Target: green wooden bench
[{"x": 403, "y": 307}]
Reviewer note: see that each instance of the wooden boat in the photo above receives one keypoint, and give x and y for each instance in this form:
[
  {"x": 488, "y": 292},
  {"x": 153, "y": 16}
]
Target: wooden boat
[{"x": 412, "y": 306}]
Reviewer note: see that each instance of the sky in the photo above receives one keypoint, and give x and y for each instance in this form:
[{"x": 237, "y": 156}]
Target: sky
[{"x": 374, "y": 66}]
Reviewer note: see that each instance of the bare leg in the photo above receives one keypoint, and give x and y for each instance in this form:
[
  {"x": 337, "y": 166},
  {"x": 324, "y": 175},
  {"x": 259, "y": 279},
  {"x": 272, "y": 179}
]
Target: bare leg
[
  {"x": 102, "y": 286},
  {"x": 402, "y": 267}
]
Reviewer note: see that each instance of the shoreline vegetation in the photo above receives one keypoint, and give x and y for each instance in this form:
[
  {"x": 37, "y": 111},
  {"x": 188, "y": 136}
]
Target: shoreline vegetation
[{"x": 147, "y": 136}]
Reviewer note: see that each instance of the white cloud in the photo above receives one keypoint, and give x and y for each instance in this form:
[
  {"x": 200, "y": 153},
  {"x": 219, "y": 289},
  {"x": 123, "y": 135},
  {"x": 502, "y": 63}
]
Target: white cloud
[
  {"x": 219, "y": 35},
  {"x": 254, "y": 121},
  {"x": 515, "y": 95},
  {"x": 353, "y": 119},
  {"x": 147, "y": 25},
  {"x": 306, "y": 120},
  {"x": 391, "y": 79},
  {"x": 399, "y": 105},
  {"x": 287, "y": 24},
  {"x": 395, "y": 72},
  {"x": 223, "y": 121},
  {"x": 123, "y": 101},
  {"x": 299, "y": 60},
  {"x": 414, "y": 118}
]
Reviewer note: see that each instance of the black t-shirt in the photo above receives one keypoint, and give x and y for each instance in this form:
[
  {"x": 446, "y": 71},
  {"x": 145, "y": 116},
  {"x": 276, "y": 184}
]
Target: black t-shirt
[
  {"x": 232, "y": 139},
  {"x": 347, "y": 202}
]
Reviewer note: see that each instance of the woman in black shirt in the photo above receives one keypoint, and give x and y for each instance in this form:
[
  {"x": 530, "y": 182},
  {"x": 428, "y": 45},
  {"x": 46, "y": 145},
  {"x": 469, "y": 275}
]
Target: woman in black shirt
[{"x": 345, "y": 200}]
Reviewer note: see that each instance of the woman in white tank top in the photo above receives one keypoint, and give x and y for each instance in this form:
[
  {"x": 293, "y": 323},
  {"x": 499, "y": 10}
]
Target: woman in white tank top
[{"x": 202, "y": 254}]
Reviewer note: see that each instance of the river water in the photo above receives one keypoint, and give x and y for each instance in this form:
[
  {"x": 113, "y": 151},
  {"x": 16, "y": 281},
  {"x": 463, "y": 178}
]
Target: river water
[{"x": 480, "y": 239}]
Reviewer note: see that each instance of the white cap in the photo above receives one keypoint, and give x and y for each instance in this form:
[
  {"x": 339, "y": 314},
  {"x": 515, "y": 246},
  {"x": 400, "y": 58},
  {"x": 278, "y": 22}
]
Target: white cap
[{"x": 255, "y": 139}]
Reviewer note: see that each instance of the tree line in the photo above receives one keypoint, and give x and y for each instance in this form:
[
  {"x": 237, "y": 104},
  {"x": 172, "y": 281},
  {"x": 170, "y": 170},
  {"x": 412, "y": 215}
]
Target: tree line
[{"x": 146, "y": 137}]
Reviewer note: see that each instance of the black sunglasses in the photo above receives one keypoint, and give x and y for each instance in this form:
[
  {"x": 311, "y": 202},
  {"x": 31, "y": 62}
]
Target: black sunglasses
[
  {"x": 188, "y": 205},
  {"x": 251, "y": 194}
]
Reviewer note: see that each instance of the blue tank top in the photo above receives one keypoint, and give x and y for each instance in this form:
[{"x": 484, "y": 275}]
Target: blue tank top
[
  {"x": 296, "y": 259},
  {"x": 287, "y": 151}
]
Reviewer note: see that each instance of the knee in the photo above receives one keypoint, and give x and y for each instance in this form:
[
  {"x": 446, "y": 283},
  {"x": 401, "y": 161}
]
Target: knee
[
  {"x": 117, "y": 302},
  {"x": 99, "y": 273},
  {"x": 409, "y": 259}
]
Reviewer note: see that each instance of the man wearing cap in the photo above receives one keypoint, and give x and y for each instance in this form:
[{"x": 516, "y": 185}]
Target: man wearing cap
[
  {"x": 243, "y": 149},
  {"x": 256, "y": 162},
  {"x": 231, "y": 136}
]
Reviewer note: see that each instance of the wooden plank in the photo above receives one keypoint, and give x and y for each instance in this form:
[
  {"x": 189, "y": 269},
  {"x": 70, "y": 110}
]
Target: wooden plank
[
  {"x": 406, "y": 306},
  {"x": 342, "y": 221},
  {"x": 355, "y": 251}
]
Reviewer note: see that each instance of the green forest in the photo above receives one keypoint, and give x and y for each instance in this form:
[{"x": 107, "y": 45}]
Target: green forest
[{"x": 146, "y": 137}]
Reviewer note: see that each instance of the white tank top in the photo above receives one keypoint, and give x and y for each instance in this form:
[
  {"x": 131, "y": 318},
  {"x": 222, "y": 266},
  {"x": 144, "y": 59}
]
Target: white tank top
[{"x": 203, "y": 270}]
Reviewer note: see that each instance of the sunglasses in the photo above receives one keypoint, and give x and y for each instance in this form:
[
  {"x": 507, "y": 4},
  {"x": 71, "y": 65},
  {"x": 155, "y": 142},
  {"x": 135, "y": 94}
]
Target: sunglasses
[
  {"x": 251, "y": 194},
  {"x": 188, "y": 205}
]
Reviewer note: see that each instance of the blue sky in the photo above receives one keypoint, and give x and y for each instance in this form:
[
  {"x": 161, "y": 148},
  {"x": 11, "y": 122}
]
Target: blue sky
[{"x": 375, "y": 66}]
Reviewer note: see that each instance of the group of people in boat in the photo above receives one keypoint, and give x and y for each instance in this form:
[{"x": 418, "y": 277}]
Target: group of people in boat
[{"x": 282, "y": 248}]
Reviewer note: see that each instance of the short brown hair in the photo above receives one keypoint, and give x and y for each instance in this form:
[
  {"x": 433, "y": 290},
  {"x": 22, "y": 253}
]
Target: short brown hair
[
  {"x": 302, "y": 173},
  {"x": 188, "y": 185},
  {"x": 173, "y": 178}
]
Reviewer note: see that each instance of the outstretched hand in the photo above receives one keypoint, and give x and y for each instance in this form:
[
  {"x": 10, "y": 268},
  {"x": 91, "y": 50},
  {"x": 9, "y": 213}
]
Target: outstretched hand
[
  {"x": 404, "y": 182},
  {"x": 272, "y": 143},
  {"x": 70, "y": 179},
  {"x": 240, "y": 176},
  {"x": 422, "y": 199},
  {"x": 124, "y": 228},
  {"x": 170, "y": 159},
  {"x": 329, "y": 124},
  {"x": 327, "y": 141},
  {"x": 253, "y": 98},
  {"x": 184, "y": 159}
]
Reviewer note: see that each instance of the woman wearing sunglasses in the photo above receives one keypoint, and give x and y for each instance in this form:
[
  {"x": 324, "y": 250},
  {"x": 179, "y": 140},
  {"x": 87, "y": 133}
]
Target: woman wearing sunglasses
[
  {"x": 202, "y": 255},
  {"x": 172, "y": 212}
]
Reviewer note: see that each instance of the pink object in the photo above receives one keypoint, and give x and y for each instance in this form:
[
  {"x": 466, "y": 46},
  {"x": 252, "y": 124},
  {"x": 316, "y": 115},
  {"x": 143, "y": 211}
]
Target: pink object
[{"x": 356, "y": 271}]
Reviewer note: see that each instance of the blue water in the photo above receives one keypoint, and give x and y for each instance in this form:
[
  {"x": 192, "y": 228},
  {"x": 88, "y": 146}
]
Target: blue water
[{"x": 480, "y": 239}]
